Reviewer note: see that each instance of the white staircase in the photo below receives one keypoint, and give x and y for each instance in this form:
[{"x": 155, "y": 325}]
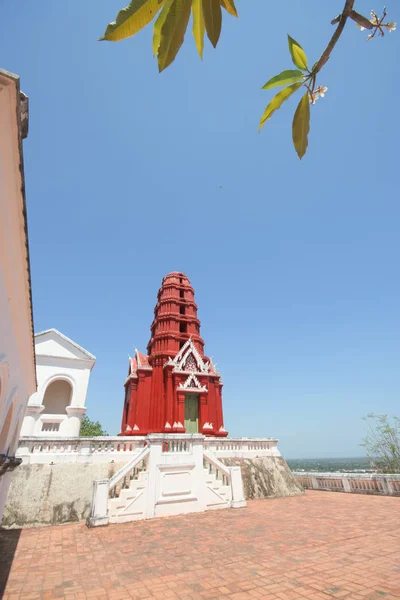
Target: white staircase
[
  {"x": 218, "y": 483},
  {"x": 130, "y": 505},
  {"x": 169, "y": 476},
  {"x": 218, "y": 493}
]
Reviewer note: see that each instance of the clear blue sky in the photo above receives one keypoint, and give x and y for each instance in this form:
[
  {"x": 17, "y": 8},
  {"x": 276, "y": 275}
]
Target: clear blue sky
[{"x": 295, "y": 264}]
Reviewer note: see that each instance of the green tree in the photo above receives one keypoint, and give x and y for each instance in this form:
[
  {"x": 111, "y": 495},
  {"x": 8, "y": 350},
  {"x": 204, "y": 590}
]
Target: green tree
[
  {"x": 170, "y": 28},
  {"x": 382, "y": 442},
  {"x": 91, "y": 428}
]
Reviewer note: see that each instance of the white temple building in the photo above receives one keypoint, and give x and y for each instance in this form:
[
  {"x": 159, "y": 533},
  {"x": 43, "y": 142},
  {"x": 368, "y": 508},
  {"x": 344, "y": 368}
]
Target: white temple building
[{"x": 62, "y": 371}]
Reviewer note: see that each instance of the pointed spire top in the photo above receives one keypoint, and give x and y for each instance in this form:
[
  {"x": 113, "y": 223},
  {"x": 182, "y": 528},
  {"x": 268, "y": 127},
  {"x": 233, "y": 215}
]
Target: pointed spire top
[{"x": 175, "y": 318}]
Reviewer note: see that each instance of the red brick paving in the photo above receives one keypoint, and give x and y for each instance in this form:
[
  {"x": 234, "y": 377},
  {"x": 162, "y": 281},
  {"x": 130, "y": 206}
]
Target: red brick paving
[{"x": 318, "y": 546}]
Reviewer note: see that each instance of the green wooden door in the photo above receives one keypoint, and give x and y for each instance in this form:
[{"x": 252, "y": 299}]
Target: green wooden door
[{"x": 192, "y": 413}]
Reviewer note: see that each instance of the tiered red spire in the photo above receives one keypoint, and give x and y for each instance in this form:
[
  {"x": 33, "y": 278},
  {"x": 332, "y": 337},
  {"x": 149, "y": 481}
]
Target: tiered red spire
[
  {"x": 175, "y": 388},
  {"x": 175, "y": 318}
]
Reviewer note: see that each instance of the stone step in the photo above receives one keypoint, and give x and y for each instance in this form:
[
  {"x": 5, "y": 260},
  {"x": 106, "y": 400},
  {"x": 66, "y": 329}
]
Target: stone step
[
  {"x": 211, "y": 480},
  {"x": 125, "y": 497}
]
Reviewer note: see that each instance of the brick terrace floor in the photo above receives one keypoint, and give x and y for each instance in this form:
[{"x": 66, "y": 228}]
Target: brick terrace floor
[{"x": 318, "y": 546}]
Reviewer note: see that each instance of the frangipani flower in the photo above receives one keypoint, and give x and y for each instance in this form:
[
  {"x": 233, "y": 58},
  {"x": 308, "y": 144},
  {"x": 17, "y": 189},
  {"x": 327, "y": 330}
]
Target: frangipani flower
[
  {"x": 320, "y": 91},
  {"x": 377, "y": 25}
]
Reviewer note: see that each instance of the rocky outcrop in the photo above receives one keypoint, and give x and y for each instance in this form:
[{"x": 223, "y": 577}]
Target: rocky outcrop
[{"x": 266, "y": 477}]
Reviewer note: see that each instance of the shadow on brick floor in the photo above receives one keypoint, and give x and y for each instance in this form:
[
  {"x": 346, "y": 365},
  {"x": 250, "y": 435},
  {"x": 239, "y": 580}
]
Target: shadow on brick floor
[{"x": 8, "y": 544}]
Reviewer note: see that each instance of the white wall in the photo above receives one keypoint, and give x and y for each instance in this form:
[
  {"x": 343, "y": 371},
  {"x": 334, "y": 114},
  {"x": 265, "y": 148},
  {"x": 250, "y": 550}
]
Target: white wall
[
  {"x": 77, "y": 374},
  {"x": 58, "y": 359},
  {"x": 17, "y": 370},
  {"x": 78, "y": 378}
]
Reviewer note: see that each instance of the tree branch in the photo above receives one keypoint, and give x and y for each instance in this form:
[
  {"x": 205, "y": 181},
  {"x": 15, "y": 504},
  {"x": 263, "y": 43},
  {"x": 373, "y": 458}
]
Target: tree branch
[
  {"x": 363, "y": 21},
  {"x": 348, "y": 7}
]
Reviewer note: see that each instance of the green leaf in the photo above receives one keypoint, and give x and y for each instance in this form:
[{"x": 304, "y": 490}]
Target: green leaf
[
  {"x": 289, "y": 76},
  {"x": 198, "y": 26},
  {"x": 301, "y": 126},
  {"x": 229, "y": 6},
  {"x": 91, "y": 428},
  {"x": 132, "y": 19},
  {"x": 158, "y": 25},
  {"x": 212, "y": 19},
  {"x": 173, "y": 32},
  {"x": 297, "y": 53},
  {"x": 277, "y": 102}
]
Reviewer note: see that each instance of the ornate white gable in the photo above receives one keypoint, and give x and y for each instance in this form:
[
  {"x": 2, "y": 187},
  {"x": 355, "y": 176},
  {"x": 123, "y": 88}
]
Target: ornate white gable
[
  {"x": 54, "y": 344},
  {"x": 192, "y": 383},
  {"x": 188, "y": 360}
]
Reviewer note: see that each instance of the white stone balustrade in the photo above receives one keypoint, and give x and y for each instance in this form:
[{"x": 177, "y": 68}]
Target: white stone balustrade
[
  {"x": 242, "y": 447},
  {"x": 356, "y": 483},
  {"x": 41, "y": 450}
]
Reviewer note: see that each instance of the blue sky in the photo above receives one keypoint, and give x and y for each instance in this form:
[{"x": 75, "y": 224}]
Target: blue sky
[{"x": 295, "y": 264}]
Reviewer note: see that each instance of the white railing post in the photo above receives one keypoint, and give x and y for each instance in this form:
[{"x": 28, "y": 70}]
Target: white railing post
[
  {"x": 386, "y": 487},
  {"x": 198, "y": 479},
  {"x": 24, "y": 450},
  {"x": 245, "y": 445},
  {"x": 210, "y": 445},
  {"x": 155, "y": 442},
  {"x": 346, "y": 484},
  {"x": 238, "y": 500},
  {"x": 99, "y": 510},
  {"x": 314, "y": 482},
  {"x": 390, "y": 489},
  {"x": 85, "y": 447}
]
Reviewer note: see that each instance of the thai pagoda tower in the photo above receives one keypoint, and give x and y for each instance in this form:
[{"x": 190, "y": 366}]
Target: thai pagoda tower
[{"x": 174, "y": 388}]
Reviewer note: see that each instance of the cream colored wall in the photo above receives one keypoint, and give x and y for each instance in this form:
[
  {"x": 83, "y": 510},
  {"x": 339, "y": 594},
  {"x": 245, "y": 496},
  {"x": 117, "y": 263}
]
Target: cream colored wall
[{"x": 17, "y": 370}]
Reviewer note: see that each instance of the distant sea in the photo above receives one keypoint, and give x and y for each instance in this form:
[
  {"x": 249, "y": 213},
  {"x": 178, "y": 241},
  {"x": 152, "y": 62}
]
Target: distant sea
[{"x": 328, "y": 465}]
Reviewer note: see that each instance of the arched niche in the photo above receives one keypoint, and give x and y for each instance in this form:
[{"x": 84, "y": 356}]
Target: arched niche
[{"x": 57, "y": 397}]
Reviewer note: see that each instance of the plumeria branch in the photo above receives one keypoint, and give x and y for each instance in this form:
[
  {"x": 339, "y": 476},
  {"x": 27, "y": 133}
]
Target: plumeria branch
[
  {"x": 377, "y": 25},
  {"x": 361, "y": 20},
  {"x": 341, "y": 19},
  {"x": 304, "y": 77},
  {"x": 374, "y": 23}
]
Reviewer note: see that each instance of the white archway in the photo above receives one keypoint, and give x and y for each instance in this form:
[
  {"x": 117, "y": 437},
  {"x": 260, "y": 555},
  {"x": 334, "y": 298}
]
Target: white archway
[{"x": 57, "y": 397}]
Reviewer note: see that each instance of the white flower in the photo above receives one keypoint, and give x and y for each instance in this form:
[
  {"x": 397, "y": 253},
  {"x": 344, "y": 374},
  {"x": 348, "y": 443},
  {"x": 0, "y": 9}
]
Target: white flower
[
  {"x": 360, "y": 27},
  {"x": 391, "y": 26},
  {"x": 374, "y": 17},
  {"x": 320, "y": 91}
]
